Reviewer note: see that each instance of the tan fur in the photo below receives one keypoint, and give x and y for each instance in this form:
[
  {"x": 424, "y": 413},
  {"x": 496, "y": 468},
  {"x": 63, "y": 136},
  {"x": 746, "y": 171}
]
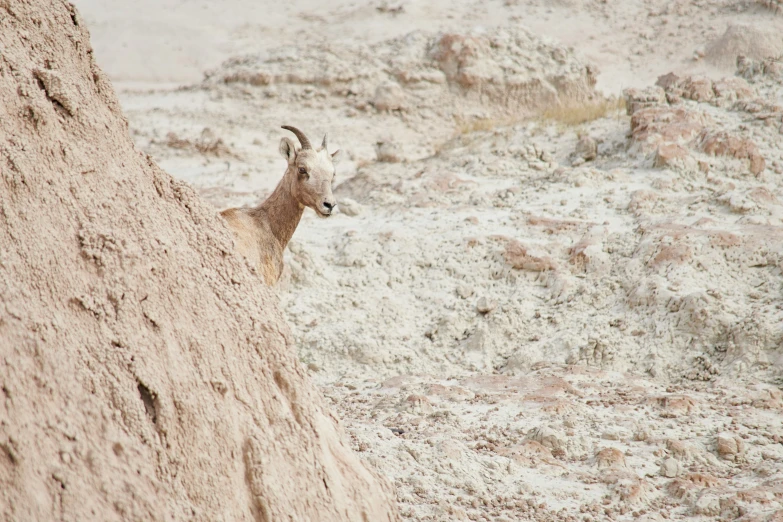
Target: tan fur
[{"x": 262, "y": 233}]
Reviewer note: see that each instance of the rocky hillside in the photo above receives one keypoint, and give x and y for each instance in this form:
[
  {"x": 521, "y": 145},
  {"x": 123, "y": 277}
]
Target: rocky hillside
[
  {"x": 536, "y": 303},
  {"x": 146, "y": 374}
]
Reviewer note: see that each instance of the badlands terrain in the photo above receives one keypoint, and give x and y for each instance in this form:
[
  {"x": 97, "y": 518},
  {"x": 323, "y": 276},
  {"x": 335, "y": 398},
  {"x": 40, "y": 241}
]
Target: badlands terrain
[{"x": 553, "y": 290}]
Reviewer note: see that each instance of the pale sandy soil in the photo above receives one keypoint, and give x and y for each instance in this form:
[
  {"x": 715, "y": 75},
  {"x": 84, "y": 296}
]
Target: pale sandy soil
[{"x": 506, "y": 331}]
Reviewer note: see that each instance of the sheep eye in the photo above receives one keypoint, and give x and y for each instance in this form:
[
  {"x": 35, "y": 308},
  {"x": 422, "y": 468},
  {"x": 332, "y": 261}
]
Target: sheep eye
[{"x": 302, "y": 170}]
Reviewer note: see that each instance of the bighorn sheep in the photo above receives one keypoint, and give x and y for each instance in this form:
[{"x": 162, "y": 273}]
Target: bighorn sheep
[{"x": 263, "y": 232}]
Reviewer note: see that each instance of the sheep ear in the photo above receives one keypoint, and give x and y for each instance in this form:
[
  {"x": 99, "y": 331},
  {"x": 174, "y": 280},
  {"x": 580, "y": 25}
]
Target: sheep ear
[
  {"x": 287, "y": 149},
  {"x": 336, "y": 157}
]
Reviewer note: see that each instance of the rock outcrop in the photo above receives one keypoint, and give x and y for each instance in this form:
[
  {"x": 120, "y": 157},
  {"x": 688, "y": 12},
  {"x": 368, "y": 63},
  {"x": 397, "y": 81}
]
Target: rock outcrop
[
  {"x": 752, "y": 41},
  {"x": 145, "y": 372},
  {"x": 445, "y": 74}
]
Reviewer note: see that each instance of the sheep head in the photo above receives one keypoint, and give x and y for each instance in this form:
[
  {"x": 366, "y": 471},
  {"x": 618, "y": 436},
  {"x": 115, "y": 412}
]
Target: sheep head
[{"x": 310, "y": 172}]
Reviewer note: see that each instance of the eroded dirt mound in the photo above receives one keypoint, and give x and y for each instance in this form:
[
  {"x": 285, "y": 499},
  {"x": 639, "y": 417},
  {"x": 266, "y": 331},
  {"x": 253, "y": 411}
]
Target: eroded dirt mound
[
  {"x": 755, "y": 42},
  {"x": 146, "y": 374},
  {"x": 446, "y": 74}
]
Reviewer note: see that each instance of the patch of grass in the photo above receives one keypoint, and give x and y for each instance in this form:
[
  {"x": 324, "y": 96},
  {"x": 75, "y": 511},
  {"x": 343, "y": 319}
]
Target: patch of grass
[
  {"x": 484, "y": 124},
  {"x": 569, "y": 115},
  {"x": 573, "y": 114}
]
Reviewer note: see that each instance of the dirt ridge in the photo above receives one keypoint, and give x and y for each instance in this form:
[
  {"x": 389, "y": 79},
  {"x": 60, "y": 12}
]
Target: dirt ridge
[{"x": 146, "y": 373}]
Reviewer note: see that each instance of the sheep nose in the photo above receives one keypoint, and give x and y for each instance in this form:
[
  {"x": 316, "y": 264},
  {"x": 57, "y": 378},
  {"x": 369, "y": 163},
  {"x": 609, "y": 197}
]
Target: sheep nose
[{"x": 329, "y": 205}]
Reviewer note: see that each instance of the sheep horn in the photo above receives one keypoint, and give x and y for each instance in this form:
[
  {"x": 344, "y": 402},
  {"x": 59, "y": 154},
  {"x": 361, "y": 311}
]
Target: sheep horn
[{"x": 299, "y": 134}]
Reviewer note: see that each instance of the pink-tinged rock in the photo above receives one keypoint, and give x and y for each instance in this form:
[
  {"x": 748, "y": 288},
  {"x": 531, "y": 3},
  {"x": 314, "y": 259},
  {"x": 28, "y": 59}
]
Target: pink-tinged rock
[
  {"x": 673, "y": 255},
  {"x": 722, "y": 143},
  {"x": 610, "y": 458},
  {"x": 642, "y": 200},
  {"x": 697, "y": 89},
  {"x": 676, "y": 404},
  {"x": 670, "y": 155},
  {"x": 729, "y": 446},
  {"x": 655, "y": 125},
  {"x": 638, "y": 99},
  {"x": 731, "y": 89},
  {"x": 518, "y": 256},
  {"x": 762, "y": 196}
]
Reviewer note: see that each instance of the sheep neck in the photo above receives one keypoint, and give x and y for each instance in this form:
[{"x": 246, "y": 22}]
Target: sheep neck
[{"x": 282, "y": 211}]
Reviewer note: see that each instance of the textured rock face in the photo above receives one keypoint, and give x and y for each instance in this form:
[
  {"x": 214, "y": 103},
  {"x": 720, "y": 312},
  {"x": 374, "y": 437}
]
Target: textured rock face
[
  {"x": 661, "y": 121},
  {"x": 724, "y": 144},
  {"x": 750, "y": 69},
  {"x": 755, "y": 42},
  {"x": 446, "y": 74},
  {"x": 145, "y": 373}
]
